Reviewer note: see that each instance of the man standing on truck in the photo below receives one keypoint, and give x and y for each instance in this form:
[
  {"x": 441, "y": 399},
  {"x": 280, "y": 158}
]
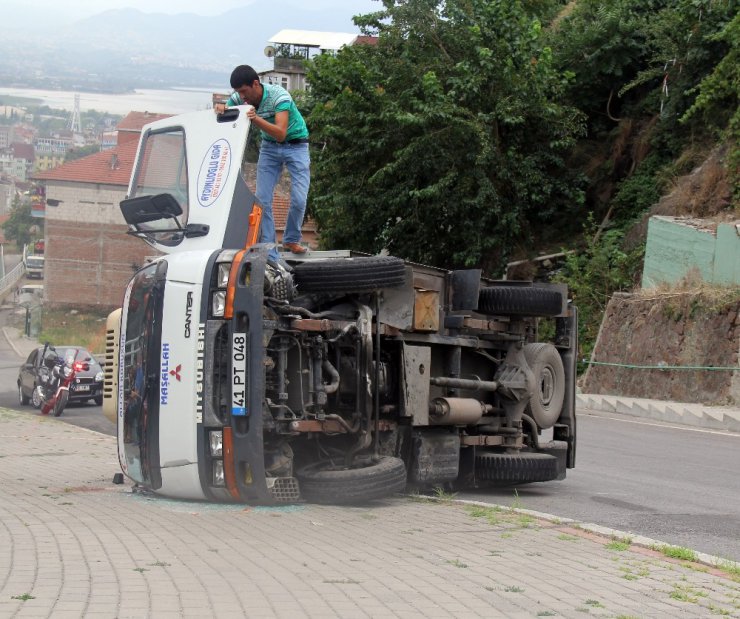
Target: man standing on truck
[{"x": 284, "y": 143}]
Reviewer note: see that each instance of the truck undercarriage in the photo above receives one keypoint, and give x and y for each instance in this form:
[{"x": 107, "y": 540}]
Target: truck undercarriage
[{"x": 363, "y": 375}]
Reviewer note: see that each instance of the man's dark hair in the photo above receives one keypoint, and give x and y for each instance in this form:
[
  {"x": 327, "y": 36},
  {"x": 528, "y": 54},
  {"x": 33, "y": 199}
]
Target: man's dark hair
[{"x": 243, "y": 75}]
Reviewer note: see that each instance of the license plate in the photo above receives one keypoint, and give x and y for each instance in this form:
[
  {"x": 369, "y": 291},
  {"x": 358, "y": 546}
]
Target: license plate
[
  {"x": 239, "y": 374},
  {"x": 82, "y": 387}
]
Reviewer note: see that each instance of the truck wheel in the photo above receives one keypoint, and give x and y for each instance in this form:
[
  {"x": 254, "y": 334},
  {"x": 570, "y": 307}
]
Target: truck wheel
[
  {"x": 370, "y": 478},
  {"x": 546, "y": 402},
  {"x": 521, "y": 467},
  {"x": 363, "y": 274},
  {"x": 22, "y": 398},
  {"x": 520, "y": 301}
]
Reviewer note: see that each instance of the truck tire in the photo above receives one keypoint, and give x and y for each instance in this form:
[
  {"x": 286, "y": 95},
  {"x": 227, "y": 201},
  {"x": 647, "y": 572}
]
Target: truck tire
[
  {"x": 362, "y": 274},
  {"x": 546, "y": 403},
  {"x": 373, "y": 478},
  {"x": 520, "y": 301},
  {"x": 521, "y": 467}
]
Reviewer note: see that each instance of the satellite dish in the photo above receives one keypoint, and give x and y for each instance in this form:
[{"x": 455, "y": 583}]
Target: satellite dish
[{"x": 269, "y": 51}]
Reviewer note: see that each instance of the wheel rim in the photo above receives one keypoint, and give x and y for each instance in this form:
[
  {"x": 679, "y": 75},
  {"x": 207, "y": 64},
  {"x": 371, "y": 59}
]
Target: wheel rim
[
  {"x": 35, "y": 397},
  {"x": 20, "y": 394},
  {"x": 547, "y": 386}
]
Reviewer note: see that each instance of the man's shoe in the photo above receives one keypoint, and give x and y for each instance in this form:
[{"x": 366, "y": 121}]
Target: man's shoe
[{"x": 295, "y": 248}]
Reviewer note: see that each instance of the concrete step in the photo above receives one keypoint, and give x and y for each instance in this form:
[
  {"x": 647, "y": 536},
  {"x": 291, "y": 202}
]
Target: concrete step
[{"x": 690, "y": 414}]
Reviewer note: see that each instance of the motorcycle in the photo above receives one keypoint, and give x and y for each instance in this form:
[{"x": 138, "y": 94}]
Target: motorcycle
[{"x": 55, "y": 377}]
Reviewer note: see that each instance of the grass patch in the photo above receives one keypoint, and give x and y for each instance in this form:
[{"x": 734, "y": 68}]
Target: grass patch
[
  {"x": 619, "y": 544},
  {"x": 716, "y": 610},
  {"x": 84, "y": 328},
  {"x": 684, "y": 593},
  {"x": 676, "y": 552},
  {"x": 443, "y": 495},
  {"x": 567, "y": 538},
  {"x": 732, "y": 568},
  {"x": 594, "y": 604},
  {"x": 490, "y": 514},
  {"x": 546, "y": 613},
  {"x": 517, "y": 502},
  {"x": 23, "y": 597},
  {"x": 525, "y": 521},
  {"x": 513, "y": 589},
  {"x": 458, "y": 563}
]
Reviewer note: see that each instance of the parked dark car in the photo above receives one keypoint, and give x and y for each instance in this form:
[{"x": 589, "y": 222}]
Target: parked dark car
[{"x": 88, "y": 384}]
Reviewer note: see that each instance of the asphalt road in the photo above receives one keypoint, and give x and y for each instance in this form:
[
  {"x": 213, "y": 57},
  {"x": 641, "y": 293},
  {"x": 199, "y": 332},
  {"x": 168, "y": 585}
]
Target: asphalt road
[{"x": 680, "y": 486}]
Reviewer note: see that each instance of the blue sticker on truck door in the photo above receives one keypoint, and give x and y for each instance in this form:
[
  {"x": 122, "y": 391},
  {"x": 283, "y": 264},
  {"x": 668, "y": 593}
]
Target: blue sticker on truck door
[{"x": 214, "y": 172}]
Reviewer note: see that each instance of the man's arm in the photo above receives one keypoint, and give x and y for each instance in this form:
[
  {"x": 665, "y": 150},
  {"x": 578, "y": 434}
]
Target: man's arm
[{"x": 278, "y": 130}]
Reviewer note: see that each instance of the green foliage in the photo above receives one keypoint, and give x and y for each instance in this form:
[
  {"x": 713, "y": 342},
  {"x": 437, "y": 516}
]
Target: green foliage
[
  {"x": 636, "y": 194},
  {"x": 648, "y": 64},
  {"x": 594, "y": 274},
  {"x": 18, "y": 226},
  {"x": 717, "y": 102},
  {"x": 445, "y": 142}
]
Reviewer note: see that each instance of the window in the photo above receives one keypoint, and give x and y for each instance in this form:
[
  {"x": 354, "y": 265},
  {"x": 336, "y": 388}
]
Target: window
[{"x": 163, "y": 169}]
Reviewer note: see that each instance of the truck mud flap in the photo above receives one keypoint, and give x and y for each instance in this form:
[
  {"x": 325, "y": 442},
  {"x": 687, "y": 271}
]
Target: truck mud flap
[{"x": 435, "y": 457}]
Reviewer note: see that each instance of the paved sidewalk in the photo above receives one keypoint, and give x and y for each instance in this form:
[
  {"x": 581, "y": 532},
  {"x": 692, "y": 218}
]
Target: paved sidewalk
[{"x": 74, "y": 545}]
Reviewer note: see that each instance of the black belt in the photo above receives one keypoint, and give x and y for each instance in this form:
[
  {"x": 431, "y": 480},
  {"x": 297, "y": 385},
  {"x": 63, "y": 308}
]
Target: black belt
[{"x": 297, "y": 141}]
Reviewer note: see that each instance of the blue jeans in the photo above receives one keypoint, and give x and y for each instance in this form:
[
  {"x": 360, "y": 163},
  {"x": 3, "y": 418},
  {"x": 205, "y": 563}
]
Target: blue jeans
[{"x": 273, "y": 157}]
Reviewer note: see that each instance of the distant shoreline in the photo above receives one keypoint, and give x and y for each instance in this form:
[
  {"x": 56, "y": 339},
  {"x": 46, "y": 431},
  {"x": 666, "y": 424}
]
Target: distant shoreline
[{"x": 172, "y": 100}]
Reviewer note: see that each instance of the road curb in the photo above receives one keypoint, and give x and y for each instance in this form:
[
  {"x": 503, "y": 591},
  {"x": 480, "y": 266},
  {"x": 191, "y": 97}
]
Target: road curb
[
  {"x": 722, "y": 418},
  {"x": 641, "y": 541},
  {"x": 10, "y": 342}
]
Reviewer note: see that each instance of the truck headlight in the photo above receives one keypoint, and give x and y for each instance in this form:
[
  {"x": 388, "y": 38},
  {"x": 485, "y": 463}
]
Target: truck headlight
[
  {"x": 222, "y": 277},
  {"x": 218, "y": 303},
  {"x": 99, "y": 377},
  {"x": 217, "y": 442},
  {"x": 218, "y": 473}
]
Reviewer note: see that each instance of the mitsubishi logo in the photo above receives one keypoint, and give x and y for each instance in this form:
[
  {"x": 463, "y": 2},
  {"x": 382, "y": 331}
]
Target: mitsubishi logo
[{"x": 176, "y": 372}]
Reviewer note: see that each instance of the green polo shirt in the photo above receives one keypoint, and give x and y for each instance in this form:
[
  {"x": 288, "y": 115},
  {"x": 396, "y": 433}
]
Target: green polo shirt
[{"x": 276, "y": 99}]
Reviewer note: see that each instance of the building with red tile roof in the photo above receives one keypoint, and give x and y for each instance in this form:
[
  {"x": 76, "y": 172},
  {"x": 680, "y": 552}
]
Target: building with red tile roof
[{"x": 129, "y": 129}]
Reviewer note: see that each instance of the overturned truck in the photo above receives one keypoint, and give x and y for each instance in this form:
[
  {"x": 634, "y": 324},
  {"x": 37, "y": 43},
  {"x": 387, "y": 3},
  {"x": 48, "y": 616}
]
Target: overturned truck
[{"x": 329, "y": 377}]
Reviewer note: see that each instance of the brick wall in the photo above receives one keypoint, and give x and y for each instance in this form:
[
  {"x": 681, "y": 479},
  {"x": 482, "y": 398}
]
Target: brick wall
[{"x": 90, "y": 263}]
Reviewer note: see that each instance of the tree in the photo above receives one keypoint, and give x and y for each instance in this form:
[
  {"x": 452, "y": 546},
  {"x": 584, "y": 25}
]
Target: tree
[
  {"x": 19, "y": 224},
  {"x": 444, "y": 142}
]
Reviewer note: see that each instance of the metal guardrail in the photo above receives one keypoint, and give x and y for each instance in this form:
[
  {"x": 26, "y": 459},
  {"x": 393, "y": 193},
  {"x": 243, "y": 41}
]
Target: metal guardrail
[{"x": 8, "y": 282}]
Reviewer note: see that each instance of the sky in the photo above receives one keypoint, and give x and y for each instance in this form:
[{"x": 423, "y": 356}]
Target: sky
[{"x": 77, "y": 9}]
